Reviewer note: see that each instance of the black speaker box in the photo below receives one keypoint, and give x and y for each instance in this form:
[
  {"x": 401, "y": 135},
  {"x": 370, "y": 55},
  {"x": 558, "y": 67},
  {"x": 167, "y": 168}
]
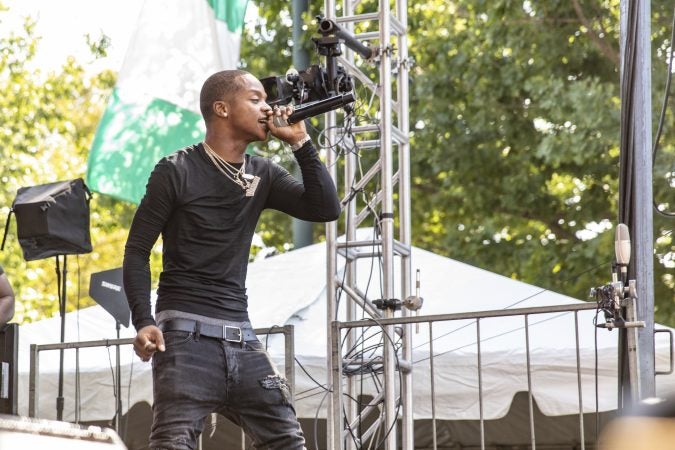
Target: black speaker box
[{"x": 53, "y": 219}]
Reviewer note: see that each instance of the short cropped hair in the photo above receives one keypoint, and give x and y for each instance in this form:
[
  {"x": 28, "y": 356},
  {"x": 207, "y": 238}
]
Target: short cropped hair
[{"x": 219, "y": 86}]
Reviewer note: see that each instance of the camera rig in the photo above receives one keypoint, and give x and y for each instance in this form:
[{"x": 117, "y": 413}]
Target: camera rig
[{"x": 317, "y": 90}]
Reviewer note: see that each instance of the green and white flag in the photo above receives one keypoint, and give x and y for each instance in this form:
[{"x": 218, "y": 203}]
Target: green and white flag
[{"x": 154, "y": 108}]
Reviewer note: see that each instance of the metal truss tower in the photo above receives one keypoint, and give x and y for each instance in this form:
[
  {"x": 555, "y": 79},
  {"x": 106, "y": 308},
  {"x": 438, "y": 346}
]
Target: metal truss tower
[{"x": 375, "y": 185}]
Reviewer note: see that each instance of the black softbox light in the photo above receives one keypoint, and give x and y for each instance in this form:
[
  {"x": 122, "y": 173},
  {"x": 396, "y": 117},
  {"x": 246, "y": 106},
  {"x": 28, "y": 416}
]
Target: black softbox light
[{"x": 52, "y": 219}]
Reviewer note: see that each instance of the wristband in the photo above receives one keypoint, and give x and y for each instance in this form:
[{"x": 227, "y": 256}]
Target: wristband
[{"x": 300, "y": 143}]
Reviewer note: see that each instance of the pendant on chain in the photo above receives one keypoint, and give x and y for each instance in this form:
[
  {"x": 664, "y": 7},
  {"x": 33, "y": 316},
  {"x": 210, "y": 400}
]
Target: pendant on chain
[
  {"x": 252, "y": 184},
  {"x": 248, "y": 182}
]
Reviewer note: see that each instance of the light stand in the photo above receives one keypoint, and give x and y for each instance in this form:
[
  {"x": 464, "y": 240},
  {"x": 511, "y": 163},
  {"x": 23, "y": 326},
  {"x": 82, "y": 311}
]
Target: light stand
[
  {"x": 118, "y": 375},
  {"x": 107, "y": 289},
  {"x": 53, "y": 220},
  {"x": 61, "y": 278}
]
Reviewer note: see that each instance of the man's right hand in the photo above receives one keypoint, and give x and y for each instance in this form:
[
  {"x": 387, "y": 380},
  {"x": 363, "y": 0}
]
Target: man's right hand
[{"x": 149, "y": 339}]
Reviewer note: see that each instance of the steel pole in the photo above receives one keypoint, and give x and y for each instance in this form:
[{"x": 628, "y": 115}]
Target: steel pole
[
  {"x": 387, "y": 222},
  {"x": 635, "y": 205}
]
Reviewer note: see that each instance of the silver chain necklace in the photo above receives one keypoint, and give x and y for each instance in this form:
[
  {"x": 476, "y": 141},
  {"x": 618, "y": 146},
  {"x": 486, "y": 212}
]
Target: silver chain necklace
[{"x": 247, "y": 182}]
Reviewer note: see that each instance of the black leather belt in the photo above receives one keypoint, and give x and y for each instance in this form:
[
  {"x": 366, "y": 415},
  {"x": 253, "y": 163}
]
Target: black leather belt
[{"x": 224, "y": 332}]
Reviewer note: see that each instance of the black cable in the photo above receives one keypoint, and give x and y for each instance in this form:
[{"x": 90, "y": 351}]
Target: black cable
[
  {"x": 114, "y": 381},
  {"x": 370, "y": 368},
  {"x": 322, "y": 386},
  {"x": 299, "y": 399},
  {"x": 664, "y": 105},
  {"x": 316, "y": 421},
  {"x": 626, "y": 141},
  {"x": 398, "y": 407},
  {"x": 350, "y": 120},
  {"x": 360, "y": 341},
  {"x": 349, "y": 428},
  {"x": 361, "y": 353},
  {"x": 373, "y": 372},
  {"x": 363, "y": 341},
  {"x": 666, "y": 94},
  {"x": 269, "y": 333},
  {"x": 322, "y": 140},
  {"x": 347, "y": 142},
  {"x": 319, "y": 385},
  {"x": 322, "y": 143},
  {"x": 58, "y": 280},
  {"x": 131, "y": 377},
  {"x": 316, "y": 390},
  {"x": 338, "y": 294},
  {"x": 597, "y": 395}
]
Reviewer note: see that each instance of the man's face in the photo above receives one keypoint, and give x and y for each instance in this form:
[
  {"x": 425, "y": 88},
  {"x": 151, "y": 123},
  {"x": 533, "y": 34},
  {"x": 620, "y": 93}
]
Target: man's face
[{"x": 247, "y": 110}]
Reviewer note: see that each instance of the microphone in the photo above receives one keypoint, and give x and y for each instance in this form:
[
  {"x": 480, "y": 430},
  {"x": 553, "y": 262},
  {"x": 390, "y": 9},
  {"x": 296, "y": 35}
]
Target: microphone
[
  {"x": 292, "y": 75},
  {"x": 622, "y": 246},
  {"x": 307, "y": 110}
]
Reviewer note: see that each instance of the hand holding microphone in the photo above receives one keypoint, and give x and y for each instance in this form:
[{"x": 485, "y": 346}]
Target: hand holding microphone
[{"x": 280, "y": 127}]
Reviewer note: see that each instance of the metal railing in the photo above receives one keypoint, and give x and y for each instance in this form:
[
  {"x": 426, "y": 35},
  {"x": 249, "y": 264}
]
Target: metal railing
[
  {"x": 35, "y": 350},
  {"x": 339, "y": 363}
]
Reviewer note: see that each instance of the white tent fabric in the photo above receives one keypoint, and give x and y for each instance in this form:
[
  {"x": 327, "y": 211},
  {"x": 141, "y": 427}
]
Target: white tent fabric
[{"x": 290, "y": 289}]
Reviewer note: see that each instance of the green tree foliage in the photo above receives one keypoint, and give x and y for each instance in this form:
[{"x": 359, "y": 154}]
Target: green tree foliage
[
  {"x": 266, "y": 50},
  {"x": 519, "y": 139},
  {"x": 48, "y": 122},
  {"x": 516, "y": 113},
  {"x": 517, "y": 147}
]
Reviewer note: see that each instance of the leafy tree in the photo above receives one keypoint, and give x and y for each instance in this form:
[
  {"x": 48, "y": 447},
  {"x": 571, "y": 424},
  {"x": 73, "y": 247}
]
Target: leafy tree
[
  {"x": 48, "y": 123},
  {"x": 266, "y": 50},
  {"x": 519, "y": 154},
  {"x": 515, "y": 107},
  {"x": 516, "y": 114}
]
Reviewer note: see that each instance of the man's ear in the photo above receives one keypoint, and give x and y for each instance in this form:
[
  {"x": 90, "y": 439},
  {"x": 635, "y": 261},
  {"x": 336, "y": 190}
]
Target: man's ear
[{"x": 220, "y": 108}]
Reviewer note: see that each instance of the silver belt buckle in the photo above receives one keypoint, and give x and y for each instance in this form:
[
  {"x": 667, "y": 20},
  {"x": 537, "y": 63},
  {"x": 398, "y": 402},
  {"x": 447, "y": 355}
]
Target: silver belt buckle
[{"x": 237, "y": 330}]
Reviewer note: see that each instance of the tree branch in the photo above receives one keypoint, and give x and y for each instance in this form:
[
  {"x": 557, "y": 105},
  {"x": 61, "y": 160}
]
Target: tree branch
[{"x": 602, "y": 45}]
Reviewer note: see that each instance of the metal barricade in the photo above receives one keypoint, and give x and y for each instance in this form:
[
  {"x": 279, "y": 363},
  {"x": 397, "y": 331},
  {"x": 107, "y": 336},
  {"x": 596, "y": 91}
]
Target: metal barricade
[
  {"x": 339, "y": 362},
  {"x": 33, "y": 396}
]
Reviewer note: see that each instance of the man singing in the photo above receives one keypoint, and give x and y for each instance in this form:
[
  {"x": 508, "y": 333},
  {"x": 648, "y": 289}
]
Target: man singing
[{"x": 205, "y": 200}]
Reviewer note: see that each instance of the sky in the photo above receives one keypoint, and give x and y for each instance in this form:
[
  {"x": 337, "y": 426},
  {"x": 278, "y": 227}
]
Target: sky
[{"x": 63, "y": 24}]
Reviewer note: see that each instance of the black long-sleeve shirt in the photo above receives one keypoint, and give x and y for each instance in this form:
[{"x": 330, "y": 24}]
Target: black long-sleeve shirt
[{"x": 207, "y": 224}]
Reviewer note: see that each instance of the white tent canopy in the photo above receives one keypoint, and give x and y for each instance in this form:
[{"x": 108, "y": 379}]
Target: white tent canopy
[{"x": 290, "y": 289}]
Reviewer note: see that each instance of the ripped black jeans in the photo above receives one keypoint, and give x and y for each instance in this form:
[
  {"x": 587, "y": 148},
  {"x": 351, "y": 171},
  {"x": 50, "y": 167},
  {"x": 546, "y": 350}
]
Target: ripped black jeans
[{"x": 195, "y": 377}]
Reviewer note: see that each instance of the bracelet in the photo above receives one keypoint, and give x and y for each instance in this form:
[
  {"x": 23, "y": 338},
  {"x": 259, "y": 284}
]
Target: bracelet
[{"x": 300, "y": 143}]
